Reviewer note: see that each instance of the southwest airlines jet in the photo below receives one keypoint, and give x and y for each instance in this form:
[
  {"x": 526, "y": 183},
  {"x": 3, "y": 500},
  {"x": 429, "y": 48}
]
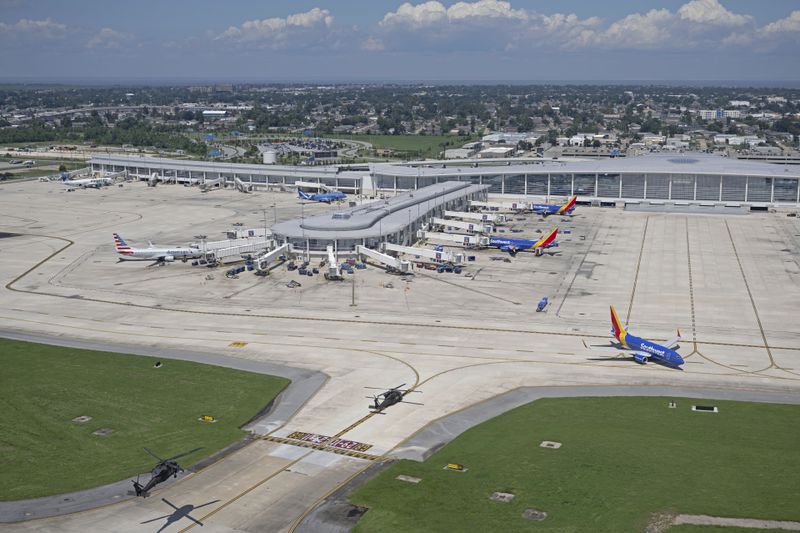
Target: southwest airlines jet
[
  {"x": 550, "y": 209},
  {"x": 643, "y": 350},
  {"x": 512, "y": 246},
  {"x": 327, "y": 197},
  {"x": 159, "y": 255}
]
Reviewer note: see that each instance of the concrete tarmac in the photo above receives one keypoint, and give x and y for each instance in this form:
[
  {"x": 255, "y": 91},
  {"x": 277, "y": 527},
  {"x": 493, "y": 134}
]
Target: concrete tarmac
[{"x": 728, "y": 282}]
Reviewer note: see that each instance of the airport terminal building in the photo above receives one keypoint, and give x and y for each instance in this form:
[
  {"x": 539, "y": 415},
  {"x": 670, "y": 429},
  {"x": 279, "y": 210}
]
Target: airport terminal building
[
  {"x": 394, "y": 220},
  {"x": 679, "y": 177}
]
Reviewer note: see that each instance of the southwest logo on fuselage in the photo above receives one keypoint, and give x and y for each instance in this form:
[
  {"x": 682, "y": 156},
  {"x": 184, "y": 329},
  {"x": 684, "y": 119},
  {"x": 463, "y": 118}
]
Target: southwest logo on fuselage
[{"x": 551, "y": 209}]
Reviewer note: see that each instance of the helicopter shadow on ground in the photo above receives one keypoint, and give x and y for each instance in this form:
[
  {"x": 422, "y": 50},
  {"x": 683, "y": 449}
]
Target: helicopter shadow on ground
[{"x": 181, "y": 512}]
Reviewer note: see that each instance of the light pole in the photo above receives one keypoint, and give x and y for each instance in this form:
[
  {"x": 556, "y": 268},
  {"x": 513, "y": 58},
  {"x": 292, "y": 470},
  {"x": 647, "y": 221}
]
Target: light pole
[{"x": 202, "y": 243}]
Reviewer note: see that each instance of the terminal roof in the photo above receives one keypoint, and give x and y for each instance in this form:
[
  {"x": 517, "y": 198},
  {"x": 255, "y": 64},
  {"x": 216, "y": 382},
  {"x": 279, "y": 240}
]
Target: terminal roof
[
  {"x": 374, "y": 219},
  {"x": 673, "y": 163}
]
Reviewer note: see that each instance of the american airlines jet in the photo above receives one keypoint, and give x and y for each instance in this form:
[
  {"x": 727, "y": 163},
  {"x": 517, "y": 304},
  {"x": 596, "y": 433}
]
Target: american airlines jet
[
  {"x": 151, "y": 253},
  {"x": 88, "y": 182}
]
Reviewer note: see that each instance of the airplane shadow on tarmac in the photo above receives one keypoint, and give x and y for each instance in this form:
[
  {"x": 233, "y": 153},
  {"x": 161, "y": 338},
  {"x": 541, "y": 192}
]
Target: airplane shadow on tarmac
[{"x": 180, "y": 512}]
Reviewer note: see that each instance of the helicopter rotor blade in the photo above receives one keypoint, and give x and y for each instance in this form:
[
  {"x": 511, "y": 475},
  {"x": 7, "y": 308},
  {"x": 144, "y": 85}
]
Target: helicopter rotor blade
[
  {"x": 184, "y": 454},
  {"x": 398, "y": 387},
  {"x": 160, "y": 460}
]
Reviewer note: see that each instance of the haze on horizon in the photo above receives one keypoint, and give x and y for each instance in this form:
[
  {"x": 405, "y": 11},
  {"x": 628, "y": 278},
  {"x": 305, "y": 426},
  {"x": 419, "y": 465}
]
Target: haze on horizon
[{"x": 380, "y": 40}]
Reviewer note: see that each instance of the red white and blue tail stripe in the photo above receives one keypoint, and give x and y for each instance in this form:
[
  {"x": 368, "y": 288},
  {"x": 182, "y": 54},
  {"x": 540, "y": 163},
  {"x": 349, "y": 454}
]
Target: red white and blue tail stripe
[{"x": 122, "y": 246}]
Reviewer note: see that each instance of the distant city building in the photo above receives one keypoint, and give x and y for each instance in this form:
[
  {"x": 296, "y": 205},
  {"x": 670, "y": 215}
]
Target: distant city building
[
  {"x": 214, "y": 113},
  {"x": 737, "y": 140},
  {"x": 719, "y": 114},
  {"x": 506, "y": 137},
  {"x": 458, "y": 153},
  {"x": 496, "y": 152},
  {"x": 739, "y": 103}
]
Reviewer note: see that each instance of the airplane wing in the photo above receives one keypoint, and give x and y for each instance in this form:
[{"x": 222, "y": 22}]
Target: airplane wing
[
  {"x": 673, "y": 342},
  {"x": 617, "y": 351}
]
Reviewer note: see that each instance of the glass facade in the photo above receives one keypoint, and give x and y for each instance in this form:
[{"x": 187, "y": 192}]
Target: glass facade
[
  {"x": 658, "y": 186},
  {"x": 514, "y": 184},
  {"x": 785, "y": 190},
  {"x": 537, "y": 184},
  {"x": 608, "y": 185},
  {"x": 708, "y": 187},
  {"x": 633, "y": 185},
  {"x": 682, "y": 187},
  {"x": 733, "y": 188},
  {"x": 495, "y": 183},
  {"x": 759, "y": 189},
  {"x": 584, "y": 184},
  {"x": 560, "y": 184}
]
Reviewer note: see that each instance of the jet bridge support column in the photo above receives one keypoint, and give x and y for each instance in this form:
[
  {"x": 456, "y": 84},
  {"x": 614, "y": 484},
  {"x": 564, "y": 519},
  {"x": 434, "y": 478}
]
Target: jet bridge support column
[{"x": 334, "y": 271}]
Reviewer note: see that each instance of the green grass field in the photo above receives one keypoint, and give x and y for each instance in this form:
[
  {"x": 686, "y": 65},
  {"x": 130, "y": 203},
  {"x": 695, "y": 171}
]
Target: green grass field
[
  {"x": 622, "y": 459},
  {"x": 42, "y": 388},
  {"x": 720, "y": 529}
]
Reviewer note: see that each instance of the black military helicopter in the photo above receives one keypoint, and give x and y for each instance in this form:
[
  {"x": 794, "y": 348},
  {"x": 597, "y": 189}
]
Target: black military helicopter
[
  {"x": 161, "y": 472},
  {"x": 389, "y": 398}
]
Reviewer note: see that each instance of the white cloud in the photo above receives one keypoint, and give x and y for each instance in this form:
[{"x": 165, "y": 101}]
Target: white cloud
[
  {"x": 41, "y": 29},
  {"x": 372, "y": 44},
  {"x": 416, "y": 16},
  {"x": 711, "y": 12},
  {"x": 280, "y": 32},
  {"x": 637, "y": 30},
  {"x": 107, "y": 38},
  {"x": 498, "y": 25},
  {"x": 790, "y": 24},
  {"x": 478, "y": 25}
]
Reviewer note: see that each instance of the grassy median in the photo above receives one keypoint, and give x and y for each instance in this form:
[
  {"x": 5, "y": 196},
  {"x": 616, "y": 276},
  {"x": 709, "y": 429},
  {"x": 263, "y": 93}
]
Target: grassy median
[
  {"x": 621, "y": 460},
  {"x": 43, "y": 388}
]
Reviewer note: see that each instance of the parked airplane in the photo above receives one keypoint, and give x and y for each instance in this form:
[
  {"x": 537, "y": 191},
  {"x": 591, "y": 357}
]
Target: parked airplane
[
  {"x": 512, "y": 246},
  {"x": 84, "y": 183},
  {"x": 326, "y": 197},
  {"x": 151, "y": 253},
  {"x": 551, "y": 209},
  {"x": 642, "y": 350}
]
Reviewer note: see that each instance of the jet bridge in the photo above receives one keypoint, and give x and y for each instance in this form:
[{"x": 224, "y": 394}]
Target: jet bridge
[
  {"x": 237, "y": 249},
  {"x": 470, "y": 227},
  {"x": 514, "y": 207},
  {"x": 496, "y": 218},
  {"x": 437, "y": 256},
  {"x": 263, "y": 261},
  {"x": 401, "y": 265},
  {"x": 242, "y": 186},
  {"x": 208, "y": 184},
  {"x": 454, "y": 239}
]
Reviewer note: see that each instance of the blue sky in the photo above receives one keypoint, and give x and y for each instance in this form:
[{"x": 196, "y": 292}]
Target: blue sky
[{"x": 279, "y": 40}]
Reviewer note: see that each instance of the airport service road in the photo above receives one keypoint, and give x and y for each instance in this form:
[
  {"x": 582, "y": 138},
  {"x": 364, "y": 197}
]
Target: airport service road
[{"x": 460, "y": 340}]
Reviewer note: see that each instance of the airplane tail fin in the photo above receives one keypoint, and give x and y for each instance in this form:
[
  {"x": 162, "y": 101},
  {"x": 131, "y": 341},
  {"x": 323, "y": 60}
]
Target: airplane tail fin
[
  {"x": 548, "y": 239},
  {"x": 616, "y": 325},
  {"x": 569, "y": 205},
  {"x": 303, "y": 195},
  {"x": 120, "y": 244}
]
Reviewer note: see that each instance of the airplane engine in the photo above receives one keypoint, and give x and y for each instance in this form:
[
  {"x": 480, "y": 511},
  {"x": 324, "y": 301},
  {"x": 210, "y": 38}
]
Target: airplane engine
[
  {"x": 169, "y": 258},
  {"x": 642, "y": 360}
]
